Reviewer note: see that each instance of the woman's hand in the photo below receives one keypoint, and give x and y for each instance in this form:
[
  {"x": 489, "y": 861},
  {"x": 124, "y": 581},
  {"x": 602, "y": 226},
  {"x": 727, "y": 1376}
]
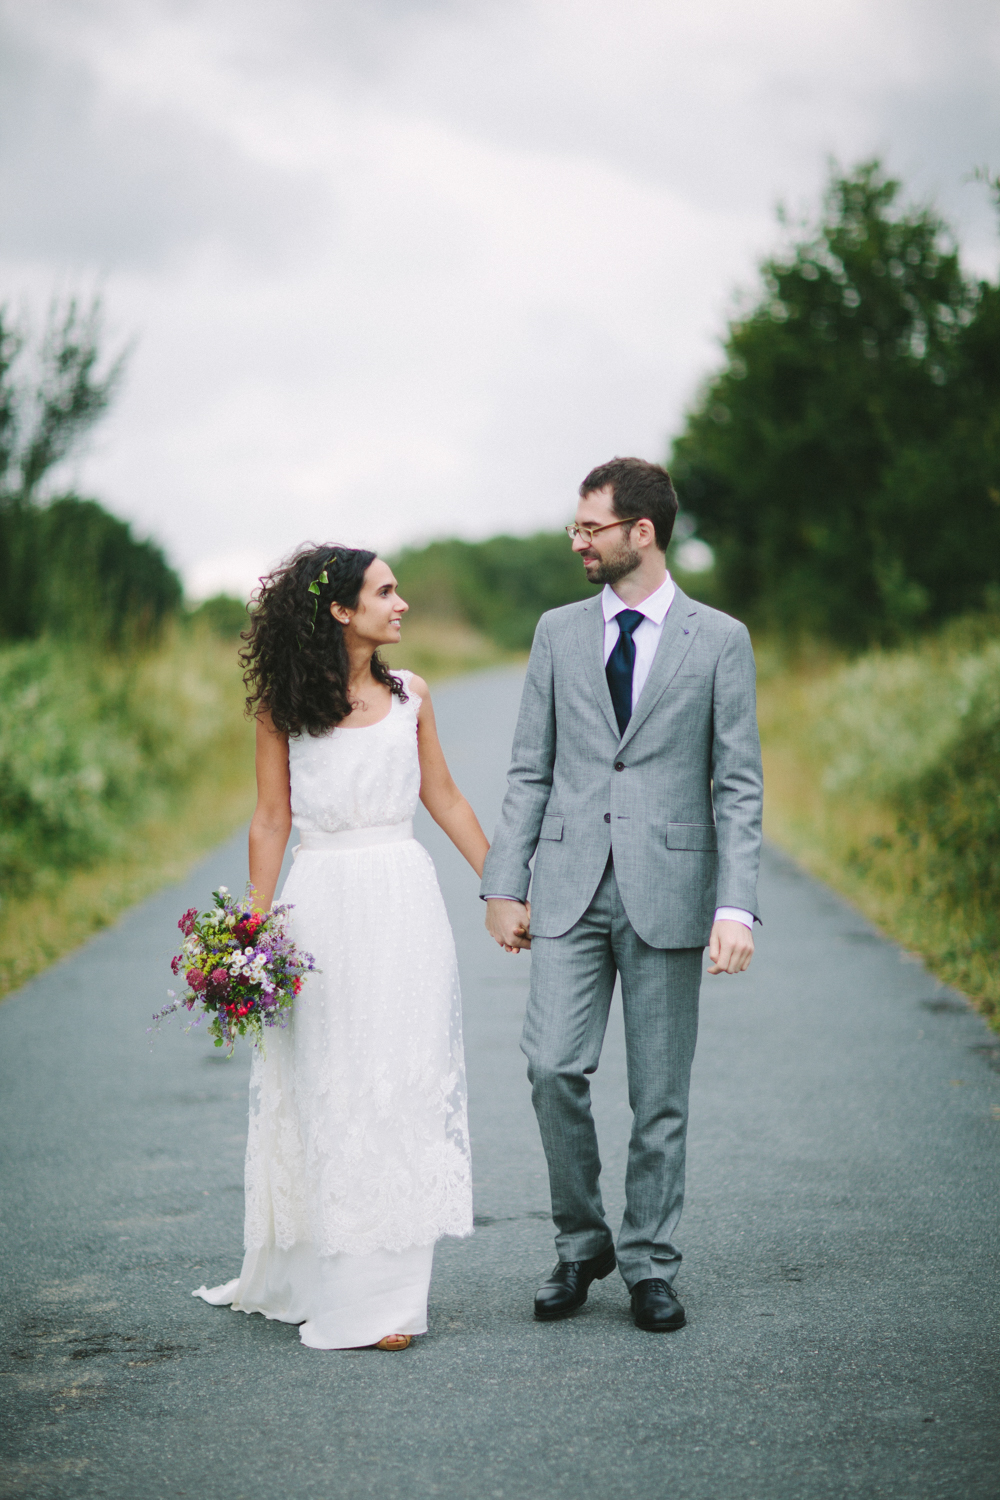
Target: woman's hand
[{"x": 509, "y": 923}]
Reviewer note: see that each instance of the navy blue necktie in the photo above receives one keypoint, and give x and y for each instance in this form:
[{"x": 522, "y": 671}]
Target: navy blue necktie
[{"x": 620, "y": 665}]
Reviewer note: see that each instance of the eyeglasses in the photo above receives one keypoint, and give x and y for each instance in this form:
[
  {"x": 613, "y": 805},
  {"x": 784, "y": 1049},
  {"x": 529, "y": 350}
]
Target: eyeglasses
[{"x": 591, "y": 531}]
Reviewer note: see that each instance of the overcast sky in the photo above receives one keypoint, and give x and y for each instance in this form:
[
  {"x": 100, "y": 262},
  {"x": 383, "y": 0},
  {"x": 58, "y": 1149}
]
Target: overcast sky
[{"x": 398, "y": 269}]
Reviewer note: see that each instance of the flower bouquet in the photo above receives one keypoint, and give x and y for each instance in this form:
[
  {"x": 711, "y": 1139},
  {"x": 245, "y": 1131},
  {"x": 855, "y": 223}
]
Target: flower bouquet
[{"x": 241, "y": 968}]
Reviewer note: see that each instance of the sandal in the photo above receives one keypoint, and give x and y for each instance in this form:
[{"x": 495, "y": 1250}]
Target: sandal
[{"x": 394, "y": 1343}]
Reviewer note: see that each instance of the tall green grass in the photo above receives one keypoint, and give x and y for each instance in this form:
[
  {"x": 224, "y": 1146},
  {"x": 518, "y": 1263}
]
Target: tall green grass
[
  {"x": 116, "y": 772},
  {"x": 883, "y": 776}
]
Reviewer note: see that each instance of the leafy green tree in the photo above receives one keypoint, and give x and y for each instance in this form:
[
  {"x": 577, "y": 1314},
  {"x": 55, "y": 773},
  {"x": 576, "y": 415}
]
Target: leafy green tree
[
  {"x": 845, "y": 462},
  {"x": 67, "y": 567},
  {"x": 42, "y": 418}
]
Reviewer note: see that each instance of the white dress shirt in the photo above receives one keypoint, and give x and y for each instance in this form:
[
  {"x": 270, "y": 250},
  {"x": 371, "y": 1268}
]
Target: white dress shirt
[{"x": 646, "y": 637}]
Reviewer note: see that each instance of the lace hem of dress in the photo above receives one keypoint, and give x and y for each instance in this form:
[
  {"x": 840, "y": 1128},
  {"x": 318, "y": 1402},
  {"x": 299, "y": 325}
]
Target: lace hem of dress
[{"x": 379, "y": 1187}]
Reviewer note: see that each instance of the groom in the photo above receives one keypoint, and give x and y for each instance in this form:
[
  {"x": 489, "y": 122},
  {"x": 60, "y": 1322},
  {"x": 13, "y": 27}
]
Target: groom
[{"x": 635, "y": 781}]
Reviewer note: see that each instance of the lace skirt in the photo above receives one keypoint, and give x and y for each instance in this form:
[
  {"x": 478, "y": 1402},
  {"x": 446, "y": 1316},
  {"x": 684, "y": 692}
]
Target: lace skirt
[{"x": 358, "y": 1139}]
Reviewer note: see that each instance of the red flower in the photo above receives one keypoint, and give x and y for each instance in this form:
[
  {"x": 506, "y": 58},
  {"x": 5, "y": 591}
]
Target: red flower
[
  {"x": 196, "y": 980},
  {"x": 186, "y": 923},
  {"x": 297, "y": 985},
  {"x": 220, "y": 978},
  {"x": 247, "y": 928}
]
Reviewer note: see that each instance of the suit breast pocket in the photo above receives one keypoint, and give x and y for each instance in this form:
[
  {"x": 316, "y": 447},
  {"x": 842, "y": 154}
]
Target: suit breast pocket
[{"x": 691, "y": 836}]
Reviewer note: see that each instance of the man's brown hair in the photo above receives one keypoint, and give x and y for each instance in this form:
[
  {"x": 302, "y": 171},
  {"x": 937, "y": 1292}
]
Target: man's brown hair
[{"x": 639, "y": 491}]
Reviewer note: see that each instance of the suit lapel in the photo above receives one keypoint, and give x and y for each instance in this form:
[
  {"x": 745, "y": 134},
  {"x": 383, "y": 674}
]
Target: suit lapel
[
  {"x": 679, "y": 630},
  {"x": 592, "y": 647}
]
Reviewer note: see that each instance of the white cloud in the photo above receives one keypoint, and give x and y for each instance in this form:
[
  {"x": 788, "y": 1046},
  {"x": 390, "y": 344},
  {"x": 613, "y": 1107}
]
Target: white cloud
[{"x": 400, "y": 269}]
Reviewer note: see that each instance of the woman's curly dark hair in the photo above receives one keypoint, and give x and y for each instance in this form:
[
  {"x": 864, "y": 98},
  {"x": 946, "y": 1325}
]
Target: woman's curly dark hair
[{"x": 295, "y": 664}]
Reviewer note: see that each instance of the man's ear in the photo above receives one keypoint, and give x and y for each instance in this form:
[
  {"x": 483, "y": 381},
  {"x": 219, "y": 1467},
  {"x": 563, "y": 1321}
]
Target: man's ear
[{"x": 647, "y": 532}]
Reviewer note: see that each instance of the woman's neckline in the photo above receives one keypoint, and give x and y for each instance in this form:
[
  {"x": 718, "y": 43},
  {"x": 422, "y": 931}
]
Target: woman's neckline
[{"x": 357, "y": 728}]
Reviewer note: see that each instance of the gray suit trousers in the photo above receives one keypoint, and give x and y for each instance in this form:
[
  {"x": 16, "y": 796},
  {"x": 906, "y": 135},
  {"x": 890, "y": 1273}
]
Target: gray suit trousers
[{"x": 572, "y": 981}]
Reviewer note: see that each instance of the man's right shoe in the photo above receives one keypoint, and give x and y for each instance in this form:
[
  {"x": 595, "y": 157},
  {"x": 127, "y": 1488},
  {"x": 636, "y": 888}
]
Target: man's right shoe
[{"x": 566, "y": 1289}]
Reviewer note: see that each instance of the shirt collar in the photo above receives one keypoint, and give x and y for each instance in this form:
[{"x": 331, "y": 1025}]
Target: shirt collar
[{"x": 654, "y": 607}]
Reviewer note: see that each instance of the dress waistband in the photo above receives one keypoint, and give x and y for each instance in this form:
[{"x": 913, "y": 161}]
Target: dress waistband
[{"x": 318, "y": 840}]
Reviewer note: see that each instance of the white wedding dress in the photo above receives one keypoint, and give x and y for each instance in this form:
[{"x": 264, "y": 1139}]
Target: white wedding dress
[{"x": 358, "y": 1154}]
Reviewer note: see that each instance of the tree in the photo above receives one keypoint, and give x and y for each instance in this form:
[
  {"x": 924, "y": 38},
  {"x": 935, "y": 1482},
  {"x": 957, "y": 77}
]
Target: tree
[
  {"x": 67, "y": 567},
  {"x": 845, "y": 462},
  {"x": 43, "y": 419}
]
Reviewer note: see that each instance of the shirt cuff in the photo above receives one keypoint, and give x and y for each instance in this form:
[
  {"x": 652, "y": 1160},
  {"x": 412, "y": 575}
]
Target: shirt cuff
[
  {"x": 734, "y": 914},
  {"x": 495, "y": 896}
]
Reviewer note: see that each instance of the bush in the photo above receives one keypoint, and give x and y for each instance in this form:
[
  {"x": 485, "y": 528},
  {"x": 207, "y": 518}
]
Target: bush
[
  {"x": 90, "y": 744},
  {"x": 225, "y": 616},
  {"x": 884, "y": 776},
  {"x": 70, "y": 569},
  {"x": 499, "y": 587}
]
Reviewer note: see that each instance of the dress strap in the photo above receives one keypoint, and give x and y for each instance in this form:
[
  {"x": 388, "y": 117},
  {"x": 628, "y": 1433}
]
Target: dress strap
[{"x": 414, "y": 699}]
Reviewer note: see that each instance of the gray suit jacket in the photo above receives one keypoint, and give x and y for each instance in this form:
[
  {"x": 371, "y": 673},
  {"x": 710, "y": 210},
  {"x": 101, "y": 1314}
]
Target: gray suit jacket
[{"x": 677, "y": 798}]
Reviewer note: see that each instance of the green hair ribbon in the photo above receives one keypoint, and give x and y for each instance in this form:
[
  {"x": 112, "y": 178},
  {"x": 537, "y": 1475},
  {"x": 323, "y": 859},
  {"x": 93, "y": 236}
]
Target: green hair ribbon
[{"x": 314, "y": 590}]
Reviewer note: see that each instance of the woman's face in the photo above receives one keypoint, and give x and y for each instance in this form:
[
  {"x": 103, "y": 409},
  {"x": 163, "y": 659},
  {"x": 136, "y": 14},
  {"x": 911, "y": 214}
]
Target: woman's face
[{"x": 375, "y": 620}]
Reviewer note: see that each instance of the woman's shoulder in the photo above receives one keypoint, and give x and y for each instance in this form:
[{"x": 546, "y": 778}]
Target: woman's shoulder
[{"x": 414, "y": 686}]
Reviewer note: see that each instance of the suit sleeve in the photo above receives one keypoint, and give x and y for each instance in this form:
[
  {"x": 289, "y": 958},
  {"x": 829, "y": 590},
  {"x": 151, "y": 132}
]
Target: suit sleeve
[
  {"x": 529, "y": 780},
  {"x": 737, "y": 777}
]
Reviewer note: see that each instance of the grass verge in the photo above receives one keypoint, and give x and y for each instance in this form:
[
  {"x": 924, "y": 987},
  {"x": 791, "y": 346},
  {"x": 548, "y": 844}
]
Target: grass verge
[
  {"x": 62, "y": 913},
  {"x": 882, "y": 777}
]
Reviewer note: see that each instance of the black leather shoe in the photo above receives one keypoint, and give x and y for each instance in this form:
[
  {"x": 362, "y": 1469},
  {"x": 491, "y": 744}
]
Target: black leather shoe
[
  {"x": 566, "y": 1289},
  {"x": 655, "y": 1308}
]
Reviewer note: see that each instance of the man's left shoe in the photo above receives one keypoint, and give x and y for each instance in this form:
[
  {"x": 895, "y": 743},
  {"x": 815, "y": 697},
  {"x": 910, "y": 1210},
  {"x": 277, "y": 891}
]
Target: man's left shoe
[{"x": 655, "y": 1308}]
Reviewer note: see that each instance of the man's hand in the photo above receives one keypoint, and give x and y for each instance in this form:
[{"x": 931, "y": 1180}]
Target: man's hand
[
  {"x": 508, "y": 923},
  {"x": 730, "y": 947}
]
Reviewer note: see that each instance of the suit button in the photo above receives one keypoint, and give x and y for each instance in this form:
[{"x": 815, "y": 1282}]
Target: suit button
[
  {"x": 607, "y": 817},
  {"x": 619, "y": 765}
]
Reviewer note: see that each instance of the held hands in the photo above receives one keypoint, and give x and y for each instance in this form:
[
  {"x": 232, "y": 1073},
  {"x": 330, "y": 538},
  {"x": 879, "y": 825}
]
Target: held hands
[
  {"x": 509, "y": 923},
  {"x": 730, "y": 947}
]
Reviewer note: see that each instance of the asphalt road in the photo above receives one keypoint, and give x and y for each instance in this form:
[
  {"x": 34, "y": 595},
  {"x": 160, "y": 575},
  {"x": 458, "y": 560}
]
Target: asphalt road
[{"x": 840, "y": 1241}]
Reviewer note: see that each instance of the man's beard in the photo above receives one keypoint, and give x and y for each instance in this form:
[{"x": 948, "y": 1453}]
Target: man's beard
[{"x": 615, "y": 565}]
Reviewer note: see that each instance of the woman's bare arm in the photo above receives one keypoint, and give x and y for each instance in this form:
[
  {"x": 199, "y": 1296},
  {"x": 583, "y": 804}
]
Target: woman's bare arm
[
  {"x": 272, "y": 820},
  {"x": 438, "y": 792}
]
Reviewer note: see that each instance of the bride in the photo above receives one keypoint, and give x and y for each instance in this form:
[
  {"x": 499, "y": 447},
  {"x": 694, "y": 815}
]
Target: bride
[{"x": 358, "y": 1153}]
